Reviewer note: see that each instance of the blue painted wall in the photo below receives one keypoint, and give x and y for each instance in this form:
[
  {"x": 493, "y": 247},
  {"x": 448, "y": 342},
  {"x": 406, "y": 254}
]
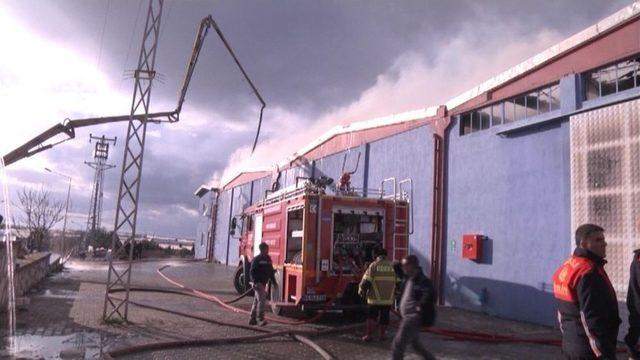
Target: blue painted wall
[
  {"x": 331, "y": 166},
  {"x": 204, "y": 221},
  {"x": 222, "y": 226},
  {"x": 515, "y": 190},
  {"x": 409, "y": 155},
  {"x": 259, "y": 187},
  {"x": 288, "y": 177},
  {"x": 240, "y": 201}
]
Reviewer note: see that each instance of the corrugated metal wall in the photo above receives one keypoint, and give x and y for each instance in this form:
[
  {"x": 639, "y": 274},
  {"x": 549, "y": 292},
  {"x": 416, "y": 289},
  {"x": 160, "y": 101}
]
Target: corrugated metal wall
[
  {"x": 222, "y": 226},
  {"x": 331, "y": 166},
  {"x": 204, "y": 220},
  {"x": 514, "y": 190},
  {"x": 415, "y": 150},
  {"x": 240, "y": 201},
  {"x": 259, "y": 187}
]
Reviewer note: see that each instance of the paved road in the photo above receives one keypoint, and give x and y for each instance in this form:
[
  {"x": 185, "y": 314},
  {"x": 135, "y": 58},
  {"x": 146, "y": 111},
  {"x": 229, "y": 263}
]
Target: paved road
[{"x": 65, "y": 315}]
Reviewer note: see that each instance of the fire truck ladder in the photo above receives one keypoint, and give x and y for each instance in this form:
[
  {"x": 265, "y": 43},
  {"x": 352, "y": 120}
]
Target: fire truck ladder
[{"x": 402, "y": 200}]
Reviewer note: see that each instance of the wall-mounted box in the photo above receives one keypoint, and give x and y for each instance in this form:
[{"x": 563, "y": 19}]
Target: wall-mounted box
[{"x": 472, "y": 246}]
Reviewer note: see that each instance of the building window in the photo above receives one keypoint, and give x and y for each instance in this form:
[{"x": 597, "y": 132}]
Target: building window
[
  {"x": 520, "y": 107},
  {"x": 485, "y": 118},
  {"x": 517, "y": 108},
  {"x": 465, "y": 123},
  {"x": 612, "y": 79},
  {"x": 496, "y": 114}
]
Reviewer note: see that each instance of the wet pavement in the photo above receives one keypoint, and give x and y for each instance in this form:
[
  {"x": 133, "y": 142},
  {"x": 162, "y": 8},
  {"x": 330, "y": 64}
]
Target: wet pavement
[{"x": 63, "y": 320}]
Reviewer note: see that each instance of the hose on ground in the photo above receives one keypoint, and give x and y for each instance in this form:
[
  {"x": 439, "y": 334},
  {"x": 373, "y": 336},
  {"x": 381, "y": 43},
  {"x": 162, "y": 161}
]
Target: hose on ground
[
  {"x": 456, "y": 335},
  {"x": 213, "y": 298},
  {"x": 241, "y": 326},
  {"x": 298, "y": 335},
  {"x": 245, "y": 294},
  {"x": 305, "y": 340},
  {"x": 192, "y": 343}
]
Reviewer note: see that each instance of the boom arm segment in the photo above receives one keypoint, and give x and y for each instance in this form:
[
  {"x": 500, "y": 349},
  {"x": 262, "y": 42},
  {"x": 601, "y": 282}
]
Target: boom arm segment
[
  {"x": 37, "y": 144},
  {"x": 67, "y": 127},
  {"x": 203, "y": 30}
]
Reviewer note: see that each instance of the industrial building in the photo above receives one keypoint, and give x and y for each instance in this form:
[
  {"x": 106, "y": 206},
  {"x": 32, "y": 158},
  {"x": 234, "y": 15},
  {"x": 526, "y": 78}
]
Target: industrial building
[{"x": 520, "y": 160}]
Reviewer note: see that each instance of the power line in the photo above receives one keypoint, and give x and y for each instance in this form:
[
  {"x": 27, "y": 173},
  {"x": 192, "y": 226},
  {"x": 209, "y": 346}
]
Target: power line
[
  {"x": 133, "y": 33},
  {"x": 104, "y": 28}
]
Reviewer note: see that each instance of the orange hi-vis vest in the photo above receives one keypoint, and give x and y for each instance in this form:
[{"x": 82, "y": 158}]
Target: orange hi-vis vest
[{"x": 567, "y": 277}]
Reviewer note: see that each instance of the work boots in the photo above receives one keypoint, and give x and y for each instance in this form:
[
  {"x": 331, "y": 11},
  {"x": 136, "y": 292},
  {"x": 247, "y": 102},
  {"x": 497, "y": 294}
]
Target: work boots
[
  {"x": 369, "y": 331},
  {"x": 383, "y": 330},
  {"x": 261, "y": 322}
]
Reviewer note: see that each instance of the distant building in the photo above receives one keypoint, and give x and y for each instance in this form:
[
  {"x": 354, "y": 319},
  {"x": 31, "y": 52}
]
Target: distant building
[
  {"x": 520, "y": 160},
  {"x": 207, "y": 211}
]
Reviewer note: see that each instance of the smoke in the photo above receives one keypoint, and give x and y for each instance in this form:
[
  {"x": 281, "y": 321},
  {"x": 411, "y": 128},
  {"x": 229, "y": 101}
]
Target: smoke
[{"x": 413, "y": 81}]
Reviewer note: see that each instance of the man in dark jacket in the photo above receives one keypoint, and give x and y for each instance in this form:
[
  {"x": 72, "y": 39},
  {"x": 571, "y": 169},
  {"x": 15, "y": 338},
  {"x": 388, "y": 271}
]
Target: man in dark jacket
[
  {"x": 633, "y": 304},
  {"x": 261, "y": 272},
  {"x": 587, "y": 304},
  {"x": 416, "y": 305}
]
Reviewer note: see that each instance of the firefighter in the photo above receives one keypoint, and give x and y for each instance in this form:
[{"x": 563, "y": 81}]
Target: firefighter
[
  {"x": 633, "y": 304},
  {"x": 586, "y": 300},
  {"x": 378, "y": 285},
  {"x": 417, "y": 307},
  {"x": 261, "y": 272}
]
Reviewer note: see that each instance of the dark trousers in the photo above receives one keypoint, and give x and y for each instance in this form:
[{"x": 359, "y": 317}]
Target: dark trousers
[
  {"x": 631, "y": 340},
  {"x": 259, "y": 301},
  {"x": 409, "y": 333}
]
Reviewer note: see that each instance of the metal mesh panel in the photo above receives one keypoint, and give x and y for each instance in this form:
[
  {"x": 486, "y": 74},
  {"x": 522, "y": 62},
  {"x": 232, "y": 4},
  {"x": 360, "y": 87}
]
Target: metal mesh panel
[{"x": 605, "y": 181}]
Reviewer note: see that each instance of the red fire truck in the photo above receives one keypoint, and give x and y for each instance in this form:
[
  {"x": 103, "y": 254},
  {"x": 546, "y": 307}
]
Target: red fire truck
[{"x": 321, "y": 243}]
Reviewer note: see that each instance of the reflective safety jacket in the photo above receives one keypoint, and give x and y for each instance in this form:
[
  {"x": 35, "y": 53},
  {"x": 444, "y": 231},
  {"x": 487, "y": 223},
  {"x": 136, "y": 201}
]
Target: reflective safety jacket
[
  {"x": 379, "y": 282},
  {"x": 587, "y": 307}
]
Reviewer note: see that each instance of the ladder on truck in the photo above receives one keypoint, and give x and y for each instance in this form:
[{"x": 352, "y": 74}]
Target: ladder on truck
[{"x": 402, "y": 197}]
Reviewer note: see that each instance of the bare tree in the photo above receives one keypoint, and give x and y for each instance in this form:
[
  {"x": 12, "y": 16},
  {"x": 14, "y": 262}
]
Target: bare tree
[{"x": 40, "y": 213}]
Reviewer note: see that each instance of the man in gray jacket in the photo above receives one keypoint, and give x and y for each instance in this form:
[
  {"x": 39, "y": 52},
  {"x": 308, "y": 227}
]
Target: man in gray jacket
[{"x": 417, "y": 310}]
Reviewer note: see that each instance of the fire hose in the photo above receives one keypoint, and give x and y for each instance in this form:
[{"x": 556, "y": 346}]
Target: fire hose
[
  {"x": 228, "y": 306},
  {"x": 298, "y": 335},
  {"x": 455, "y": 335}
]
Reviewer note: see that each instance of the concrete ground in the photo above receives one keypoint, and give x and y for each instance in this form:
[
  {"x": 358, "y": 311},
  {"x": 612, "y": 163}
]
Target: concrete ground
[{"x": 63, "y": 320}]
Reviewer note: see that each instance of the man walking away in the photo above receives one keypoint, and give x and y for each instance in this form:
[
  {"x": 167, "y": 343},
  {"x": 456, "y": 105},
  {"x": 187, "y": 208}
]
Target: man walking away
[
  {"x": 587, "y": 304},
  {"x": 261, "y": 272},
  {"x": 417, "y": 309},
  {"x": 378, "y": 285}
]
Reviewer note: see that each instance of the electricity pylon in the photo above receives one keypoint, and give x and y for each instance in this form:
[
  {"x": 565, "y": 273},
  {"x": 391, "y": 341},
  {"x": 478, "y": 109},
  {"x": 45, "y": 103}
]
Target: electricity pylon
[
  {"x": 124, "y": 231},
  {"x": 99, "y": 164}
]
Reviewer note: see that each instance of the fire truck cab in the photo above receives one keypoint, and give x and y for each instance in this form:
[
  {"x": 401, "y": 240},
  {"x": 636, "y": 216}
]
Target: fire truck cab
[{"x": 321, "y": 244}]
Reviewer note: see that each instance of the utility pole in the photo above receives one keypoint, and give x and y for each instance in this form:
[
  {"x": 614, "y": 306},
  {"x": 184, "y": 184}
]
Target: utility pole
[
  {"x": 99, "y": 164},
  {"x": 124, "y": 231}
]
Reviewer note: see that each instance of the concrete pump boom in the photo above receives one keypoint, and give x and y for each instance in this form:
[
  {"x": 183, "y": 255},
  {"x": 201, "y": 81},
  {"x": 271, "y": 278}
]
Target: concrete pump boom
[
  {"x": 67, "y": 127},
  {"x": 203, "y": 30}
]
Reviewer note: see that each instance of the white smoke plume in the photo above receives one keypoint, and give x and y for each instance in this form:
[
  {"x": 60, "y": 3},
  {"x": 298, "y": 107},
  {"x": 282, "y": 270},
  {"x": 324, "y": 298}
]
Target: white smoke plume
[{"x": 412, "y": 82}]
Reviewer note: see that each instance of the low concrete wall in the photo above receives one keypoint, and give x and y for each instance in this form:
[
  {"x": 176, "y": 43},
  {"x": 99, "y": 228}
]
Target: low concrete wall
[{"x": 29, "y": 272}]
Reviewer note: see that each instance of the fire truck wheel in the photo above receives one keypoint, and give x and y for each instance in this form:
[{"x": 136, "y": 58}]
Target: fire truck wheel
[{"x": 239, "y": 281}]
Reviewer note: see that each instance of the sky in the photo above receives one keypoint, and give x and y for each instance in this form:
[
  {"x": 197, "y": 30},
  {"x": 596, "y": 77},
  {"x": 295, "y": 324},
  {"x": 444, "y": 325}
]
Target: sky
[{"x": 316, "y": 63}]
